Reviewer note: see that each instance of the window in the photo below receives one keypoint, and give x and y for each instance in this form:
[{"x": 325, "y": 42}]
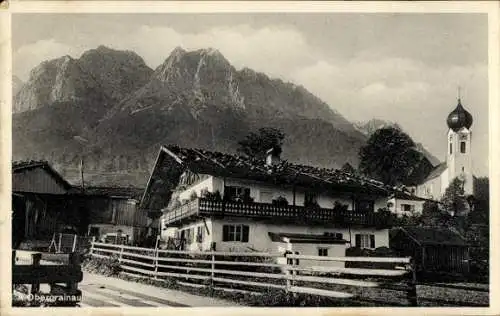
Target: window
[
  {"x": 237, "y": 194},
  {"x": 365, "y": 241},
  {"x": 407, "y": 207},
  {"x": 235, "y": 233},
  {"x": 451, "y": 148},
  {"x": 310, "y": 198},
  {"x": 463, "y": 146},
  {"x": 323, "y": 252},
  {"x": 365, "y": 206},
  {"x": 336, "y": 235}
]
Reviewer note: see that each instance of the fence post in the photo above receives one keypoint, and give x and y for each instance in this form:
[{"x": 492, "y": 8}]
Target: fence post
[
  {"x": 212, "y": 273},
  {"x": 59, "y": 246},
  {"x": 35, "y": 286},
  {"x": 74, "y": 263},
  {"x": 74, "y": 242},
  {"x": 287, "y": 273},
  {"x": 92, "y": 245},
  {"x": 412, "y": 291},
  {"x": 121, "y": 254},
  {"x": 157, "y": 254}
]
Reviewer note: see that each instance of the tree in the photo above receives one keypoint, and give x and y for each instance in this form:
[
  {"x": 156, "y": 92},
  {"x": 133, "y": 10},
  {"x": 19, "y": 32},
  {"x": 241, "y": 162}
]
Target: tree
[
  {"x": 255, "y": 145},
  {"x": 389, "y": 156},
  {"x": 454, "y": 201}
]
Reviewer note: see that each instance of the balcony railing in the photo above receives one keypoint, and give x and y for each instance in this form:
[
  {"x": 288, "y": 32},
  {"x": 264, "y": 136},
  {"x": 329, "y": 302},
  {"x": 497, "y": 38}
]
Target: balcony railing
[{"x": 297, "y": 214}]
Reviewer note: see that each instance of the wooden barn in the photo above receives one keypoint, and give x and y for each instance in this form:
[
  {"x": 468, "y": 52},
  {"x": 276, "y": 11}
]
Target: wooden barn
[
  {"x": 439, "y": 250},
  {"x": 113, "y": 211},
  {"x": 41, "y": 202}
]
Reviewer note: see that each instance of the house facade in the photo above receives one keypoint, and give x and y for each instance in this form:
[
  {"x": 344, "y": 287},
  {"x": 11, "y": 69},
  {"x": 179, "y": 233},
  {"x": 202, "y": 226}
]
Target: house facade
[
  {"x": 405, "y": 204},
  {"x": 210, "y": 200}
]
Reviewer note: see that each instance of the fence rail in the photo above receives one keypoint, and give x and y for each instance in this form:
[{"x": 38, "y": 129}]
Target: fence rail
[
  {"x": 245, "y": 270},
  {"x": 63, "y": 279}
]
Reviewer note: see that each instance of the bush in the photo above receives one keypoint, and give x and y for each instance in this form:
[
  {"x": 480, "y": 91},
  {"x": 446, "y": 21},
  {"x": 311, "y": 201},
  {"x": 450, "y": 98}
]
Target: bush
[{"x": 104, "y": 266}]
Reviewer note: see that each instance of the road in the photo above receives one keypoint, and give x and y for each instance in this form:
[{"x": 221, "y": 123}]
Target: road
[{"x": 100, "y": 291}]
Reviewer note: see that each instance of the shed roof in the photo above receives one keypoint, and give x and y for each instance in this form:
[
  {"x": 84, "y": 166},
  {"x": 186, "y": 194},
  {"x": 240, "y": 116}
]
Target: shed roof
[{"x": 433, "y": 236}]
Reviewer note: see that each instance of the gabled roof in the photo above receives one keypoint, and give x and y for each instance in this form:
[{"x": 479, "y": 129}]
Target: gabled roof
[
  {"x": 111, "y": 191},
  {"x": 406, "y": 196},
  {"x": 437, "y": 171},
  {"x": 433, "y": 236},
  {"x": 20, "y": 166},
  {"x": 173, "y": 160}
]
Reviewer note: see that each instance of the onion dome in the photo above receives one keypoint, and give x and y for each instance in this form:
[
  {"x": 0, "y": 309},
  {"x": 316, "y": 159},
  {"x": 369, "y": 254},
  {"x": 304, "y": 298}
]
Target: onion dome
[{"x": 459, "y": 118}]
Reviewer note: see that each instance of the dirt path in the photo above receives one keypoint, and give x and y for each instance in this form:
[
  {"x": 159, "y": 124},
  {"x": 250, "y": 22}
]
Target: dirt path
[{"x": 101, "y": 291}]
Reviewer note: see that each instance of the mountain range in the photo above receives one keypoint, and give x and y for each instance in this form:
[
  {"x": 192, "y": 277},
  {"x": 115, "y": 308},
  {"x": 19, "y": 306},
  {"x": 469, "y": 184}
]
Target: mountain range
[{"x": 109, "y": 108}]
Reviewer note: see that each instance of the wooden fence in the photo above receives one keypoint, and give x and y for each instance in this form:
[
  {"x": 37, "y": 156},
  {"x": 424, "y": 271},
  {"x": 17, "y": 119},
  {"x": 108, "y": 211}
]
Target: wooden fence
[
  {"x": 69, "y": 243},
  {"x": 247, "y": 271},
  {"x": 29, "y": 269}
]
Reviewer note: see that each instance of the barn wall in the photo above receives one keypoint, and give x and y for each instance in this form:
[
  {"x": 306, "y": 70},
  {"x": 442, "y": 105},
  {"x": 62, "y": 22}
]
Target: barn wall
[{"x": 36, "y": 181}]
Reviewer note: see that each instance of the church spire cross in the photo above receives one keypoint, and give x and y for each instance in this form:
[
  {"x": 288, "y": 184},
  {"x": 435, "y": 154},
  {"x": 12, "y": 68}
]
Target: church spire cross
[{"x": 459, "y": 90}]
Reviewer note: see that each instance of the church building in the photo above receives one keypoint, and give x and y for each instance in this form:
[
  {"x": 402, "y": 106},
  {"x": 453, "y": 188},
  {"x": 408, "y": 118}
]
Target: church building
[{"x": 458, "y": 162}]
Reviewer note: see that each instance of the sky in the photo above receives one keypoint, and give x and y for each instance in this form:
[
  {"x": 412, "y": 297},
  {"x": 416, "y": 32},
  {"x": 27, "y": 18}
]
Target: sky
[{"x": 399, "y": 67}]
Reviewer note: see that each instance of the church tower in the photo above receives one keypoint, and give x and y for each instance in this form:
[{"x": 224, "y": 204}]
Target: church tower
[{"x": 458, "y": 158}]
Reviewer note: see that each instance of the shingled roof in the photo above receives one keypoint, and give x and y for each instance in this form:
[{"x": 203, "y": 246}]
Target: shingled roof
[
  {"x": 173, "y": 160},
  {"x": 111, "y": 191}
]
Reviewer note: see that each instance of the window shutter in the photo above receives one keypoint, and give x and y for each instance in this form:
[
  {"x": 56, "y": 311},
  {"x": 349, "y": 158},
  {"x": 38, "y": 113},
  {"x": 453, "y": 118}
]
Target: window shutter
[
  {"x": 245, "y": 233},
  {"x": 372, "y": 241},
  {"x": 358, "y": 240},
  {"x": 225, "y": 233}
]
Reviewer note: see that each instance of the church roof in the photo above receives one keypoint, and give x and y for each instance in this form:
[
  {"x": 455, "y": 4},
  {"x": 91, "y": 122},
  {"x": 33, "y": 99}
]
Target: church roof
[
  {"x": 459, "y": 118},
  {"x": 437, "y": 171}
]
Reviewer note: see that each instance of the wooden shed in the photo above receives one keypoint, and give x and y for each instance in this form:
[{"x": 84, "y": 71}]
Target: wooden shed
[{"x": 434, "y": 249}]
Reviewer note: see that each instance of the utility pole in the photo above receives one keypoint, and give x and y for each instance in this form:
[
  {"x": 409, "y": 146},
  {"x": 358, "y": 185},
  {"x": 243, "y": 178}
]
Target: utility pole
[{"x": 81, "y": 172}]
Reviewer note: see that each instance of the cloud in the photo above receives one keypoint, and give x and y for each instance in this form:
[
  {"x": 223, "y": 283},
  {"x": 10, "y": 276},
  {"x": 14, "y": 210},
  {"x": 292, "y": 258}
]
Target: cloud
[
  {"x": 29, "y": 56},
  {"x": 274, "y": 50}
]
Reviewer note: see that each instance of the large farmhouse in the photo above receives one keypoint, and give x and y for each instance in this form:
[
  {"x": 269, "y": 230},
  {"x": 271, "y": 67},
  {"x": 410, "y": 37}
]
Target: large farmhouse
[{"x": 210, "y": 200}]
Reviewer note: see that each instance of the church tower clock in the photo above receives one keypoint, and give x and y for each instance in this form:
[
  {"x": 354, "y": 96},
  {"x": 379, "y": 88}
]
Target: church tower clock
[{"x": 458, "y": 158}]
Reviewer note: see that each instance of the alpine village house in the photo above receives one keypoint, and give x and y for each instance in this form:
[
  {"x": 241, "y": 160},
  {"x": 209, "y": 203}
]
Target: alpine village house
[{"x": 213, "y": 201}]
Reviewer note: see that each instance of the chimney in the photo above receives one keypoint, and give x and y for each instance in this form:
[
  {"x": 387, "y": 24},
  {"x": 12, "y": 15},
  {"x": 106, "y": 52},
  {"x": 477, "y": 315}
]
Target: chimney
[{"x": 273, "y": 156}]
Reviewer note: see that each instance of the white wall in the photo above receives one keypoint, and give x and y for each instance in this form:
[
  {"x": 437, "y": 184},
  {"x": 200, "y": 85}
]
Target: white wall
[
  {"x": 259, "y": 239},
  {"x": 264, "y": 193},
  {"x": 397, "y": 207}
]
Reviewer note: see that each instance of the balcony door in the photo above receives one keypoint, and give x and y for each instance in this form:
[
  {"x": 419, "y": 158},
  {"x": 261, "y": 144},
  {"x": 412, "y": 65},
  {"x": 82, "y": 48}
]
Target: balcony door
[
  {"x": 365, "y": 206},
  {"x": 236, "y": 193}
]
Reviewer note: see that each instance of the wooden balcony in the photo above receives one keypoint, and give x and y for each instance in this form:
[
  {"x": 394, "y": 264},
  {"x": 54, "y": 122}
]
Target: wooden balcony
[{"x": 261, "y": 211}]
